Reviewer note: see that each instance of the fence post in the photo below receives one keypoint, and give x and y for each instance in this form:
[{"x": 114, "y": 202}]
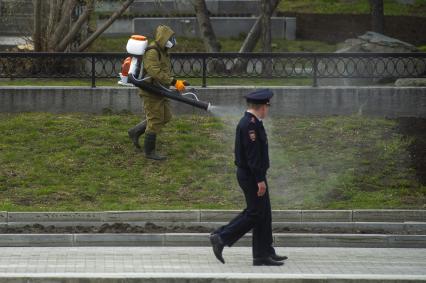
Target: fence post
[
  {"x": 93, "y": 72},
  {"x": 315, "y": 69},
  {"x": 204, "y": 71}
]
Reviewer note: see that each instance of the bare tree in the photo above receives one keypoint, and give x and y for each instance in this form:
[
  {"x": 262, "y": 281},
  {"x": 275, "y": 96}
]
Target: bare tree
[
  {"x": 59, "y": 25},
  {"x": 254, "y": 34},
  {"x": 377, "y": 16},
  {"x": 206, "y": 30},
  {"x": 109, "y": 22}
]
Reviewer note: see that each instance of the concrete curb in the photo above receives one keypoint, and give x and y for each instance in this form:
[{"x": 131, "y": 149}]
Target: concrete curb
[
  {"x": 202, "y": 239},
  {"x": 207, "y": 278},
  {"x": 418, "y": 215}
]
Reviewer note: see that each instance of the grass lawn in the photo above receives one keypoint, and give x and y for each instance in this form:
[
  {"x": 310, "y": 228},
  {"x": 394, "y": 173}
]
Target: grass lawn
[{"x": 86, "y": 162}]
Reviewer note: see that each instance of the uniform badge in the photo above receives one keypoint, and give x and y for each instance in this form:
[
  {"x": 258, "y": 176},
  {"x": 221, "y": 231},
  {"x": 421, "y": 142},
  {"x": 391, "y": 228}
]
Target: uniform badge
[
  {"x": 252, "y": 135},
  {"x": 253, "y": 120}
]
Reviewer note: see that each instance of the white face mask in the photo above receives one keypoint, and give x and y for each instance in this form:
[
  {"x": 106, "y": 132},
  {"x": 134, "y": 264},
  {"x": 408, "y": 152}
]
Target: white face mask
[{"x": 171, "y": 42}]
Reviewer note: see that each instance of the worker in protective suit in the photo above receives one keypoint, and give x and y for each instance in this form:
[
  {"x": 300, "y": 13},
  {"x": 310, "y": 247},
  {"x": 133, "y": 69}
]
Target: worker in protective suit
[{"x": 157, "y": 66}]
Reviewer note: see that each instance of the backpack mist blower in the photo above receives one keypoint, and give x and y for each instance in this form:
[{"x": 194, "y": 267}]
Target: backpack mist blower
[{"x": 132, "y": 75}]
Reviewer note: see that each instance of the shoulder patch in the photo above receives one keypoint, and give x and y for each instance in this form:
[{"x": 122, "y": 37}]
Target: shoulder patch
[
  {"x": 252, "y": 135},
  {"x": 253, "y": 120}
]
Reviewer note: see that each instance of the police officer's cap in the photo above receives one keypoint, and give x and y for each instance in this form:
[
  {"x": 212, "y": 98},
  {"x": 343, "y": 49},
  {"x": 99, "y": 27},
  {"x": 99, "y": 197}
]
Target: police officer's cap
[{"x": 261, "y": 96}]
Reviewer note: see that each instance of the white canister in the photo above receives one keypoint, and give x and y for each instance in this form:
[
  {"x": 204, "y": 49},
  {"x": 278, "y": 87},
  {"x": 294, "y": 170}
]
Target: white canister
[{"x": 137, "y": 45}]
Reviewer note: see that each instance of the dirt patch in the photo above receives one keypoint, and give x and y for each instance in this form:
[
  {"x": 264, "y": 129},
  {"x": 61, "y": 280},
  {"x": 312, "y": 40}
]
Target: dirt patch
[
  {"x": 126, "y": 228},
  {"x": 105, "y": 228},
  {"x": 414, "y": 129}
]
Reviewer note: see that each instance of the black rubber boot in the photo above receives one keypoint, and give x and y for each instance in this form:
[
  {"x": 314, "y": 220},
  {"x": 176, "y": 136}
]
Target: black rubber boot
[
  {"x": 136, "y": 132},
  {"x": 149, "y": 147}
]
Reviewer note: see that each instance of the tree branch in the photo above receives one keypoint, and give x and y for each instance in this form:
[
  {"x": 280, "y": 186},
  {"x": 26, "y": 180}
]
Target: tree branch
[
  {"x": 100, "y": 30},
  {"x": 205, "y": 26},
  {"x": 67, "y": 9},
  {"x": 76, "y": 27},
  {"x": 253, "y": 36}
]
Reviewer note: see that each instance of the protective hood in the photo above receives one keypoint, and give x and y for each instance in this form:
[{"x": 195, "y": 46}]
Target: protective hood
[{"x": 162, "y": 35}]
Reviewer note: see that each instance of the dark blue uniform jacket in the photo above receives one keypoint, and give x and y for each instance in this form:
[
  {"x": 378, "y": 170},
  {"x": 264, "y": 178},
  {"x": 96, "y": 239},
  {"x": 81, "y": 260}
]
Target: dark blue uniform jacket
[{"x": 251, "y": 147}]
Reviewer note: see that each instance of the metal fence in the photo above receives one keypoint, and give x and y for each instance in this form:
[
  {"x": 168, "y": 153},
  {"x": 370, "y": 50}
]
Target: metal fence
[{"x": 266, "y": 66}]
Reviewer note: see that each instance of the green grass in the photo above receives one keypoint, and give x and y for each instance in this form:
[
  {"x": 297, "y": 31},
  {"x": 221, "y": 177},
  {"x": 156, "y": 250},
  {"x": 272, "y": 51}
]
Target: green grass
[
  {"x": 391, "y": 7},
  {"x": 343, "y": 162},
  {"x": 82, "y": 162},
  {"x": 86, "y": 162}
]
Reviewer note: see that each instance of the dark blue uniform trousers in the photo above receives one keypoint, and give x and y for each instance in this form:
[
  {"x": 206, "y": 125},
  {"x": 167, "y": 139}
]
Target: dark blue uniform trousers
[{"x": 256, "y": 216}]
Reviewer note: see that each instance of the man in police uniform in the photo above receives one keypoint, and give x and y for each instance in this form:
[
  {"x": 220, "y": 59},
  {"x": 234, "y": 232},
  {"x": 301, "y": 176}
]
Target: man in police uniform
[{"x": 252, "y": 160}]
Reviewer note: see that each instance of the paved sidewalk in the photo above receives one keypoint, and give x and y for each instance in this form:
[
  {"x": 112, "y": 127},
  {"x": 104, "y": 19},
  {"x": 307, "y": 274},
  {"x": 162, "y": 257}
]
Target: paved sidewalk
[{"x": 197, "y": 264}]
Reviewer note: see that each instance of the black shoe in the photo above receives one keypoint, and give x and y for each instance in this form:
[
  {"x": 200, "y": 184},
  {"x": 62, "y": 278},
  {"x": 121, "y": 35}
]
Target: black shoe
[
  {"x": 278, "y": 257},
  {"x": 268, "y": 261},
  {"x": 149, "y": 147},
  {"x": 136, "y": 132},
  {"x": 217, "y": 246}
]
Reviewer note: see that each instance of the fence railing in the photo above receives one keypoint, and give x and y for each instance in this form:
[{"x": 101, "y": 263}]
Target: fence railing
[{"x": 313, "y": 66}]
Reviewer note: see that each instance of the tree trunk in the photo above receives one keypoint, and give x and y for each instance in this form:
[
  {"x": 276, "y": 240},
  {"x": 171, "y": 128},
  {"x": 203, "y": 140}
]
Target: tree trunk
[
  {"x": 37, "y": 37},
  {"x": 64, "y": 23},
  {"x": 266, "y": 26},
  {"x": 55, "y": 8},
  {"x": 100, "y": 30},
  {"x": 266, "y": 37},
  {"x": 90, "y": 5},
  {"x": 377, "y": 16},
  {"x": 57, "y": 26},
  {"x": 253, "y": 36},
  {"x": 206, "y": 30},
  {"x": 240, "y": 65}
]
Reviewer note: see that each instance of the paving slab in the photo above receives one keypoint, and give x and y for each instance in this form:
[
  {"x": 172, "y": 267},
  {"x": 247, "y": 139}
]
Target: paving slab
[
  {"x": 29, "y": 240},
  {"x": 197, "y": 264},
  {"x": 151, "y": 240},
  {"x": 326, "y": 215},
  {"x": 389, "y": 215}
]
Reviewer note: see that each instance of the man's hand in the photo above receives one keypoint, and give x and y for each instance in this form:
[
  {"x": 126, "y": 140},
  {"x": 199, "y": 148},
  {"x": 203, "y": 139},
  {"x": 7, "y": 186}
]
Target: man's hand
[{"x": 262, "y": 189}]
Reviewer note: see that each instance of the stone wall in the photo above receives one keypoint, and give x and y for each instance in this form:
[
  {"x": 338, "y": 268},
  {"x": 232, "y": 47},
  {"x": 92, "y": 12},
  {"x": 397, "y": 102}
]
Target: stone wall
[
  {"x": 288, "y": 101},
  {"x": 339, "y": 27},
  {"x": 282, "y": 27}
]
